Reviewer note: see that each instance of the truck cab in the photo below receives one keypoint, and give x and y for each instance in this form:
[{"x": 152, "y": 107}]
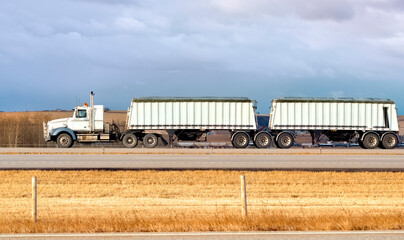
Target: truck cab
[
  {"x": 81, "y": 120},
  {"x": 86, "y": 125}
]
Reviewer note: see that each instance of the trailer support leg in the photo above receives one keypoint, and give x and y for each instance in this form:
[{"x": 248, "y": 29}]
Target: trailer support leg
[
  {"x": 170, "y": 137},
  {"x": 315, "y": 137}
]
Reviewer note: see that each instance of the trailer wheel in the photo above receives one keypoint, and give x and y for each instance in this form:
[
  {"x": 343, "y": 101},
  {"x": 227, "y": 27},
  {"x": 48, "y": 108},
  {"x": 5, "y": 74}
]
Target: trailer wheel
[
  {"x": 389, "y": 141},
  {"x": 150, "y": 140},
  {"x": 285, "y": 140},
  {"x": 64, "y": 140},
  {"x": 263, "y": 140},
  {"x": 371, "y": 141},
  {"x": 240, "y": 140},
  {"x": 129, "y": 140}
]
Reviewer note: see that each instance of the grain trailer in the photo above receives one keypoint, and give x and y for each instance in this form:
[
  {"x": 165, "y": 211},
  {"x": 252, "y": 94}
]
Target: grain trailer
[
  {"x": 371, "y": 121},
  {"x": 190, "y": 119}
]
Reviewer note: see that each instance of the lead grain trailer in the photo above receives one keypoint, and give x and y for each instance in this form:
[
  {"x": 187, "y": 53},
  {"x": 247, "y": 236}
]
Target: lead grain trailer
[
  {"x": 192, "y": 119},
  {"x": 370, "y": 121}
]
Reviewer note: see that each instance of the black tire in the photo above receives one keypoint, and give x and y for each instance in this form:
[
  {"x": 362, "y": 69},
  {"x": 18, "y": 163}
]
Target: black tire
[
  {"x": 276, "y": 144},
  {"x": 129, "y": 140},
  {"x": 240, "y": 140},
  {"x": 371, "y": 141},
  {"x": 263, "y": 140},
  {"x": 285, "y": 140},
  {"x": 389, "y": 141},
  {"x": 150, "y": 140},
  {"x": 361, "y": 144},
  {"x": 64, "y": 140}
]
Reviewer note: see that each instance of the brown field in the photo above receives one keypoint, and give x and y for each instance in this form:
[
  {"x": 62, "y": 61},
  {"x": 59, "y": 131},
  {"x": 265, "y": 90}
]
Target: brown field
[
  {"x": 139, "y": 201},
  {"x": 24, "y": 129},
  {"x": 401, "y": 124}
]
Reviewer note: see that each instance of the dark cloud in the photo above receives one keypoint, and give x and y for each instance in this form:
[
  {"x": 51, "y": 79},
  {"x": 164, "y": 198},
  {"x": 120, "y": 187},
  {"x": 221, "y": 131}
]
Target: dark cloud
[
  {"x": 337, "y": 10},
  {"x": 51, "y": 52},
  {"x": 109, "y": 2}
]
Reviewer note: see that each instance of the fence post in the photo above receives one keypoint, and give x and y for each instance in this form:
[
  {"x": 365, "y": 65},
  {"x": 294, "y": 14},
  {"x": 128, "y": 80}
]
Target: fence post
[
  {"x": 243, "y": 197},
  {"x": 34, "y": 199}
]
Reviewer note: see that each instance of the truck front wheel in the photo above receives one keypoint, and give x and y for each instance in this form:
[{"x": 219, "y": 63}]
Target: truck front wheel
[
  {"x": 129, "y": 140},
  {"x": 64, "y": 140}
]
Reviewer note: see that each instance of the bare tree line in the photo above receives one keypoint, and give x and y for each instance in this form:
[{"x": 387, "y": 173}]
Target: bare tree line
[{"x": 22, "y": 130}]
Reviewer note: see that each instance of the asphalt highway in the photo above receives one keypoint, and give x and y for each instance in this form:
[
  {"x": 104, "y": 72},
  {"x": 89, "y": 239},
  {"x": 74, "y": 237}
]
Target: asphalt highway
[{"x": 313, "y": 159}]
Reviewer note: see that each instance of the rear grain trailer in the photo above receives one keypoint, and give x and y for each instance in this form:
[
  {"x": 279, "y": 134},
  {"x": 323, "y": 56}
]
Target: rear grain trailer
[
  {"x": 370, "y": 121},
  {"x": 192, "y": 119}
]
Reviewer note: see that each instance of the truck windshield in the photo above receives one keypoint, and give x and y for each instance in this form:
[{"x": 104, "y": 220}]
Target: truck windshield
[{"x": 81, "y": 113}]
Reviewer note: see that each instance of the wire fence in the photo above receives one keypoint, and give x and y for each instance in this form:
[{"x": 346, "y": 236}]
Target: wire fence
[{"x": 88, "y": 200}]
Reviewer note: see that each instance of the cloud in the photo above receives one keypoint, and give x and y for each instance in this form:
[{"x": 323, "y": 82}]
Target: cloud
[
  {"x": 337, "y": 10},
  {"x": 311, "y": 10},
  {"x": 257, "y": 48},
  {"x": 129, "y": 23},
  {"x": 337, "y": 94}
]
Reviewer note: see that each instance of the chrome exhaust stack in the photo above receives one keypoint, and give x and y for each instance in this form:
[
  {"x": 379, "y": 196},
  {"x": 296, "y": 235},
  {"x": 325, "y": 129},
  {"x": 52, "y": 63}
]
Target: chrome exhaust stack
[{"x": 91, "y": 112}]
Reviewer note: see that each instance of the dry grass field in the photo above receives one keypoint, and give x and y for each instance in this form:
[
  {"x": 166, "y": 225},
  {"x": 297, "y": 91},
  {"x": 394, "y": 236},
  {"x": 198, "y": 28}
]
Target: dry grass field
[
  {"x": 138, "y": 201},
  {"x": 24, "y": 129},
  {"x": 401, "y": 124}
]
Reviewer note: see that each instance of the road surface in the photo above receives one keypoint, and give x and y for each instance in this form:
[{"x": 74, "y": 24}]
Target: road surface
[
  {"x": 97, "y": 158},
  {"x": 368, "y": 235}
]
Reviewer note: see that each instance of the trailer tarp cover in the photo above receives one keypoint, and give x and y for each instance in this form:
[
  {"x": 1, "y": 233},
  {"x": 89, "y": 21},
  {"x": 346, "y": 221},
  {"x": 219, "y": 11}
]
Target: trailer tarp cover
[
  {"x": 190, "y": 99},
  {"x": 353, "y": 100}
]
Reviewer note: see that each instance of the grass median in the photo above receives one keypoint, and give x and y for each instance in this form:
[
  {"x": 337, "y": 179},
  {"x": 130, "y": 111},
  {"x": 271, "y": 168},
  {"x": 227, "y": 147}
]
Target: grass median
[{"x": 165, "y": 201}]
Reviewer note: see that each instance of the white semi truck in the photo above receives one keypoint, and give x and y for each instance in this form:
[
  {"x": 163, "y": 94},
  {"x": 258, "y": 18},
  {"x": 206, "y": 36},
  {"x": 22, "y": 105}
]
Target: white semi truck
[
  {"x": 86, "y": 126},
  {"x": 372, "y": 122}
]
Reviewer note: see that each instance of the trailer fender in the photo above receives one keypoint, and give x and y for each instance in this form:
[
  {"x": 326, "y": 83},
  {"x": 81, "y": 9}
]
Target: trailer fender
[
  {"x": 137, "y": 134},
  {"x": 232, "y": 136},
  {"x": 366, "y": 133},
  {"x": 57, "y": 131},
  {"x": 255, "y": 136},
  {"x": 398, "y": 137},
  {"x": 277, "y": 135}
]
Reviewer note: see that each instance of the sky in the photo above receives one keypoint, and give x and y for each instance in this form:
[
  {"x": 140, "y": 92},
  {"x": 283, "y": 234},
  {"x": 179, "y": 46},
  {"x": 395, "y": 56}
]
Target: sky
[{"x": 53, "y": 53}]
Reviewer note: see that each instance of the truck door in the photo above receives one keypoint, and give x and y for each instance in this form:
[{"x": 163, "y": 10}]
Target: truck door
[{"x": 81, "y": 121}]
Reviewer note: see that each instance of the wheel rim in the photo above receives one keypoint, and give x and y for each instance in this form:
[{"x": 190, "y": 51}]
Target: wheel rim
[
  {"x": 150, "y": 140},
  {"x": 372, "y": 141},
  {"x": 390, "y": 140},
  {"x": 64, "y": 140},
  {"x": 286, "y": 140},
  {"x": 129, "y": 140},
  {"x": 263, "y": 140},
  {"x": 242, "y": 140}
]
